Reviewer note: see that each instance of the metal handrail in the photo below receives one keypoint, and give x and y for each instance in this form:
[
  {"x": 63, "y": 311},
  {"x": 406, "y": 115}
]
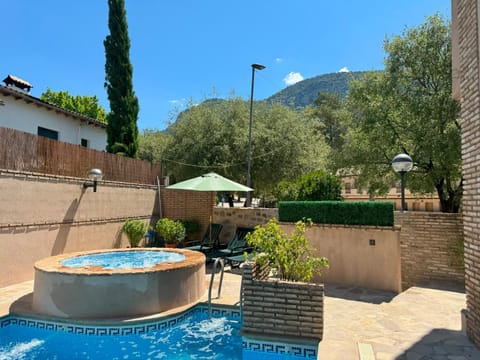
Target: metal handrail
[{"x": 214, "y": 270}]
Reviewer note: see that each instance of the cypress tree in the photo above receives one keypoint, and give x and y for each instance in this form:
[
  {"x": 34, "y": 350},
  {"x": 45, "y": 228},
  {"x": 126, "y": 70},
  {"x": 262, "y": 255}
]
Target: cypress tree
[{"x": 122, "y": 131}]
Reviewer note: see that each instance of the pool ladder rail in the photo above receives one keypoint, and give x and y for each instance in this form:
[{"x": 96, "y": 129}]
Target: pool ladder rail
[{"x": 218, "y": 262}]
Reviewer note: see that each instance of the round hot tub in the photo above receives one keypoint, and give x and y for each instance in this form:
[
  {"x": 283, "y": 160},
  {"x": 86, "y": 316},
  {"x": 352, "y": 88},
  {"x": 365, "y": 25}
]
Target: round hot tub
[{"x": 118, "y": 283}]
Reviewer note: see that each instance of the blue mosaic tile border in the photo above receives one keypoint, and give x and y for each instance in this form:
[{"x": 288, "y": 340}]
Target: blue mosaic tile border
[
  {"x": 305, "y": 351},
  {"x": 116, "y": 330}
]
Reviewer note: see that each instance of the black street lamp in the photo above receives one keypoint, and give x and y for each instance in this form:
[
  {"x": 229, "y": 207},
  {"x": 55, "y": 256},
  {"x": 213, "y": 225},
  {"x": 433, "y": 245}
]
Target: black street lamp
[
  {"x": 248, "y": 202},
  {"x": 402, "y": 163}
]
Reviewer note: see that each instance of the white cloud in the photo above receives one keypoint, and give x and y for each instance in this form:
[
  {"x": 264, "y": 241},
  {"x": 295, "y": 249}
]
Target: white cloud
[
  {"x": 278, "y": 60},
  {"x": 344, "y": 70},
  {"x": 293, "y": 78}
]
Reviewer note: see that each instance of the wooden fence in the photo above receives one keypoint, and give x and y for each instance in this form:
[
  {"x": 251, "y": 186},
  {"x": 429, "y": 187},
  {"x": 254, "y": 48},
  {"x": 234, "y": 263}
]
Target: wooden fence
[{"x": 27, "y": 152}]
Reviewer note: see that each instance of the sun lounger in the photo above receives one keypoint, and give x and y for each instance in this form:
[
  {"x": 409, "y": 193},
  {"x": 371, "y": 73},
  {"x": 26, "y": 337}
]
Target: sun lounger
[
  {"x": 209, "y": 242},
  {"x": 236, "y": 246}
]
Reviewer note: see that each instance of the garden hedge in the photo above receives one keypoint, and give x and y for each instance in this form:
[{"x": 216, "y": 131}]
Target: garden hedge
[{"x": 375, "y": 213}]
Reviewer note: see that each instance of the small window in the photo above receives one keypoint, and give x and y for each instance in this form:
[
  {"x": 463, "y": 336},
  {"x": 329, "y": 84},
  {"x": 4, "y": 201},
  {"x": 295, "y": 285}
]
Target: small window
[
  {"x": 84, "y": 143},
  {"x": 51, "y": 134}
]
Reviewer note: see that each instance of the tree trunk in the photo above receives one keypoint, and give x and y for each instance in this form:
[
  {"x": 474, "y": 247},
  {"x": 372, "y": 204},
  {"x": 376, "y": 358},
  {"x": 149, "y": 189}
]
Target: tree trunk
[{"x": 450, "y": 201}]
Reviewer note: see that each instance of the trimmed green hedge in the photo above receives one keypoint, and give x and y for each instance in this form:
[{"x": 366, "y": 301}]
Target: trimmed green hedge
[{"x": 376, "y": 213}]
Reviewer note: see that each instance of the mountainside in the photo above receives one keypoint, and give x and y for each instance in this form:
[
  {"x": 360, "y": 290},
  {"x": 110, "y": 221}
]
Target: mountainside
[{"x": 304, "y": 92}]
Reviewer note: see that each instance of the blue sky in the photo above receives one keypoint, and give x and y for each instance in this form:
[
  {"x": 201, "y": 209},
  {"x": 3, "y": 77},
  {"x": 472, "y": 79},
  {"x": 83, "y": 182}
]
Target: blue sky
[{"x": 190, "y": 50}]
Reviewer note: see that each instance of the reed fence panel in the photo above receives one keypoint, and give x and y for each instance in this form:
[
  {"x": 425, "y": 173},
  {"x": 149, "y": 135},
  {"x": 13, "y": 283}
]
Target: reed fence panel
[{"x": 22, "y": 151}]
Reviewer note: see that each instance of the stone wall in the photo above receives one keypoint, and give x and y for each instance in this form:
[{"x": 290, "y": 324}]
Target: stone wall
[
  {"x": 281, "y": 309},
  {"x": 231, "y": 218},
  {"x": 429, "y": 245},
  {"x": 466, "y": 26}
]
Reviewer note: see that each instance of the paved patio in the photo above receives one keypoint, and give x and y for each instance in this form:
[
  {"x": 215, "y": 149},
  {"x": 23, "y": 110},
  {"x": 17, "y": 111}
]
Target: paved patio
[{"x": 418, "y": 324}]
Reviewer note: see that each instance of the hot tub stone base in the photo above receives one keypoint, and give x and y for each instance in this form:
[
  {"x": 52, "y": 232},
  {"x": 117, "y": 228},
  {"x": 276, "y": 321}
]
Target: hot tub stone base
[{"x": 97, "y": 293}]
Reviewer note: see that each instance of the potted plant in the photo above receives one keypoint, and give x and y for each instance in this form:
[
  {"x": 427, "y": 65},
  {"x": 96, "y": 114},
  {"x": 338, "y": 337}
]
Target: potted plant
[
  {"x": 294, "y": 264},
  {"x": 172, "y": 231},
  {"x": 289, "y": 256},
  {"x": 135, "y": 231}
]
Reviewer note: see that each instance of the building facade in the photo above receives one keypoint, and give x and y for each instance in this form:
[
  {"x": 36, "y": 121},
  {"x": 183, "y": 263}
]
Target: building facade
[
  {"x": 21, "y": 111},
  {"x": 466, "y": 88}
]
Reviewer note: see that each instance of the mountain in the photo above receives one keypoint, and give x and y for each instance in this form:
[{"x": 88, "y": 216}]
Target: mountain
[{"x": 304, "y": 92}]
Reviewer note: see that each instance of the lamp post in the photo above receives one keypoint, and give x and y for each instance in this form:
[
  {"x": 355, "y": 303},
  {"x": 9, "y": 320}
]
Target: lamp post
[
  {"x": 401, "y": 164},
  {"x": 248, "y": 202}
]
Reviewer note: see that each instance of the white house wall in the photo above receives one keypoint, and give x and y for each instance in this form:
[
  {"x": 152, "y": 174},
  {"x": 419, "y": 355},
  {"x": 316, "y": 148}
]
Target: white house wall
[{"x": 19, "y": 115}]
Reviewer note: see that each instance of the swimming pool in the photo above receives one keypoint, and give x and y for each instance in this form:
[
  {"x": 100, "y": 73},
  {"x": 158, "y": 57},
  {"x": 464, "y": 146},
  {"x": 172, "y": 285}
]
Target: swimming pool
[{"x": 189, "y": 335}]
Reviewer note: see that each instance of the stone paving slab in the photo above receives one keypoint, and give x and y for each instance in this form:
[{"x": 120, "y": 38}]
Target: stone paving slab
[{"x": 420, "y": 323}]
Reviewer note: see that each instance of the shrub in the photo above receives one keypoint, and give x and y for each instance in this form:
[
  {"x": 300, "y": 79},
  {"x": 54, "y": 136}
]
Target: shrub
[
  {"x": 172, "y": 231},
  {"x": 374, "y": 213},
  {"x": 135, "y": 231},
  {"x": 319, "y": 185},
  {"x": 290, "y": 256},
  {"x": 314, "y": 186}
]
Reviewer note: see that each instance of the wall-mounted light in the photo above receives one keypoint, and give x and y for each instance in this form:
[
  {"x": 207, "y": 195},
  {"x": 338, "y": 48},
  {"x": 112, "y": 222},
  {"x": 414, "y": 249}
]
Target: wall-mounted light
[{"x": 94, "y": 175}]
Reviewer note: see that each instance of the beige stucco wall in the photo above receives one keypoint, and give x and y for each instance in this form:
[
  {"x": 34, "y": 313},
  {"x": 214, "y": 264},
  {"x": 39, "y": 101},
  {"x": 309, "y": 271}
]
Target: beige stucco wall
[
  {"x": 45, "y": 215},
  {"x": 353, "y": 260},
  {"x": 49, "y": 200}
]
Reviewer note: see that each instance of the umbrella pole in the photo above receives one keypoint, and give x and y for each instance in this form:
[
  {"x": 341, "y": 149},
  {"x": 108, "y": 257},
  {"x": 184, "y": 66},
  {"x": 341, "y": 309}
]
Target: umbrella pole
[{"x": 211, "y": 217}]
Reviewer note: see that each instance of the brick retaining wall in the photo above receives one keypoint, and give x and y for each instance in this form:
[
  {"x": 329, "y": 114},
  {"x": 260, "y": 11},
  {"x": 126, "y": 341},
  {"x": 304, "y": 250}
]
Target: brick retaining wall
[
  {"x": 280, "y": 308},
  {"x": 427, "y": 246}
]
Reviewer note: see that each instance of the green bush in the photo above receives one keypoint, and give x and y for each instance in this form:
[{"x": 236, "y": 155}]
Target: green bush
[
  {"x": 314, "y": 186},
  {"x": 290, "y": 256},
  {"x": 135, "y": 231},
  {"x": 375, "y": 213},
  {"x": 172, "y": 231}
]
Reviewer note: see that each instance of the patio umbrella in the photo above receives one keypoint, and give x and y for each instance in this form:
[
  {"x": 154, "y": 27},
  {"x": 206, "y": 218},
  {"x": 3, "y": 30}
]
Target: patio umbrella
[{"x": 210, "y": 182}]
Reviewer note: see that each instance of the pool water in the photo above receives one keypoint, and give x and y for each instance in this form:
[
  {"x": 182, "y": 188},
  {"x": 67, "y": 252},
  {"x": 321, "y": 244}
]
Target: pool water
[
  {"x": 194, "y": 337},
  {"x": 123, "y": 259},
  {"x": 189, "y": 336}
]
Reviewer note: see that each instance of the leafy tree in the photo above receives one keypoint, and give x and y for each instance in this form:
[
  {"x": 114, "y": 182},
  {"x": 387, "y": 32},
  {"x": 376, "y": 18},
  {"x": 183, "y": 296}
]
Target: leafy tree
[
  {"x": 122, "y": 131},
  {"x": 408, "y": 109},
  {"x": 152, "y": 145},
  {"x": 213, "y": 136},
  {"x": 314, "y": 186},
  {"x": 85, "y": 105},
  {"x": 330, "y": 118}
]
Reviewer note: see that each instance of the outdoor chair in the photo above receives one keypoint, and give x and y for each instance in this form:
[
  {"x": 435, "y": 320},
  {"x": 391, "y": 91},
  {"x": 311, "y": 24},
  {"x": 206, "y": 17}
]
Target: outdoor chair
[
  {"x": 208, "y": 242},
  {"x": 236, "y": 260},
  {"x": 236, "y": 246}
]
